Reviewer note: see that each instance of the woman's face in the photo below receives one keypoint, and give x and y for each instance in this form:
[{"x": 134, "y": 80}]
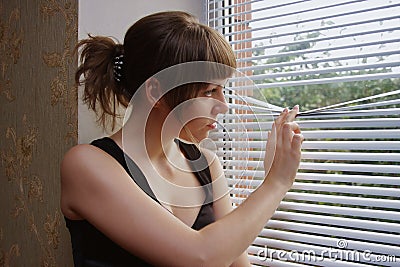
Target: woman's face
[{"x": 199, "y": 114}]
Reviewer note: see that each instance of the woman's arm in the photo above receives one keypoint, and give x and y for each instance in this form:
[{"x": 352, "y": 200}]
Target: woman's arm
[
  {"x": 123, "y": 212},
  {"x": 222, "y": 207},
  {"x": 222, "y": 204}
]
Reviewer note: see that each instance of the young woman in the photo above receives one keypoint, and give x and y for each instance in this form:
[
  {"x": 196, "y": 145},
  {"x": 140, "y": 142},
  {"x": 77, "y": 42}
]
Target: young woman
[{"x": 127, "y": 198}]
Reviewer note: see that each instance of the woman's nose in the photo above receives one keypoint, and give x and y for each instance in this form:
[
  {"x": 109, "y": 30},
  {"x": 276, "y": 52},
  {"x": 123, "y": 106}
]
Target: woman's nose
[{"x": 220, "y": 105}]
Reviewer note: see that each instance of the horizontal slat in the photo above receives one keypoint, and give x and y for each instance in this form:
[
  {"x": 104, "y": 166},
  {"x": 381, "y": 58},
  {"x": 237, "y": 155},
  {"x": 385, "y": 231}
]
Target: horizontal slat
[
  {"x": 247, "y": 155},
  {"x": 320, "y": 177},
  {"x": 317, "y": 134},
  {"x": 315, "y": 81},
  {"x": 352, "y": 106},
  {"x": 365, "y": 224},
  {"x": 320, "y": 60},
  {"x": 345, "y": 189},
  {"x": 343, "y": 145},
  {"x": 340, "y": 167},
  {"x": 348, "y": 189},
  {"x": 372, "y": 236},
  {"x": 324, "y": 124},
  {"x": 344, "y": 211},
  {"x": 338, "y": 156},
  {"x": 351, "y": 156},
  {"x": 322, "y": 70},
  {"x": 268, "y": 114},
  {"x": 353, "y": 167},
  {"x": 267, "y": 109},
  {"x": 377, "y": 214},
  {"x": 360, "y": 179},
  {"x": 347, "y": 200},
  {"x": 340, "y": 79},
  {"x": 263, "y": 109},
  {"x": 353, "y": 113}
]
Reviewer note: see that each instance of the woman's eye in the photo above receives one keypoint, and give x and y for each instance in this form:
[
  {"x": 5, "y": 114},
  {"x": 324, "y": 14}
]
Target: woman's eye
[{"x": 210, "y": 92}]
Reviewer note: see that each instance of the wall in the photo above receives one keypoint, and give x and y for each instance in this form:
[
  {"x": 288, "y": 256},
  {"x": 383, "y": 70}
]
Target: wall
[
  {"x": 113, "y": 18},
  {"x": 39, "y": 114},
  {"x": 38, "y": 123}
]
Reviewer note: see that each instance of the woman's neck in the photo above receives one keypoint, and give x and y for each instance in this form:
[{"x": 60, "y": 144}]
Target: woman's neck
[{"x": 145, "y": 136}]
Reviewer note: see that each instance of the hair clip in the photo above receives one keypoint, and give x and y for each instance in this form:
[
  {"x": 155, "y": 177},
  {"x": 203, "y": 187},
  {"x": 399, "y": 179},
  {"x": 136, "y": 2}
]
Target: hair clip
[{"x": 117, "y": 68}]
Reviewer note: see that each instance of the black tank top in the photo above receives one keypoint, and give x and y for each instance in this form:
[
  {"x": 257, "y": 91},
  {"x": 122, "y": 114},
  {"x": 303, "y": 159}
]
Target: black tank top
[{"x": 91, "y": 248}]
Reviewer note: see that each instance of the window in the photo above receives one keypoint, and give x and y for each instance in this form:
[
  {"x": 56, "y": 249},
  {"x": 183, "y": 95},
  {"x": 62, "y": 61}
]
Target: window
[{"x": 340, "y": 61}]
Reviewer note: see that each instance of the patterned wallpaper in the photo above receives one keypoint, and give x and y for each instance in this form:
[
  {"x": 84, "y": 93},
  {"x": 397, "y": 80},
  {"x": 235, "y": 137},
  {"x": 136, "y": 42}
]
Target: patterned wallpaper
[{"x": 38, "y": 124}]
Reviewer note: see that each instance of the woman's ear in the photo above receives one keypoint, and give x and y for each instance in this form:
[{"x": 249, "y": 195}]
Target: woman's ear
[{"x": 153, "y": 91}]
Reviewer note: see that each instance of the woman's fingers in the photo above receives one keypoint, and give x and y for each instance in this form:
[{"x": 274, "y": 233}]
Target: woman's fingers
[
  {"x": 290, "y": 129},
  {"x": 284, "y": 128},
  {"x": 282, "y": 117},
  {"x": 284, "y": 145},
  {"x": 270, "y": 149},
  {"x": 286, "y": 116},
  {"x": 292, "y": 114},
  {"x": 271, "y": 143},
  {"x": 297, "y": 140}
]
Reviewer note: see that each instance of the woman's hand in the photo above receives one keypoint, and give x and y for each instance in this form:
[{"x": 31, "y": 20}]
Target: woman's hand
[{"x": 283, "y": 151}]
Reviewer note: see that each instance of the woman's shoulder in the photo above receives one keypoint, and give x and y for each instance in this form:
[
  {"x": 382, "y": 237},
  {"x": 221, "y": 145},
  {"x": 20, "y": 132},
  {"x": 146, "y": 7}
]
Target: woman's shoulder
[
  {"x": 73, "y": 175},
  {"x": 86, "y": 168},
  {"x": 81, "y": 152},
  {"x": 83, "y": 158},
  {"x": 86, "y": 152}
]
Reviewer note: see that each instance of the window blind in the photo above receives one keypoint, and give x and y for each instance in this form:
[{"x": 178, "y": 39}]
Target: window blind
[{"x": 340, "y": 61}]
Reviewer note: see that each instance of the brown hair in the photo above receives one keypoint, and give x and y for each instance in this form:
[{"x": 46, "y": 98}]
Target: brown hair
[{"x": 153, "y": 43}]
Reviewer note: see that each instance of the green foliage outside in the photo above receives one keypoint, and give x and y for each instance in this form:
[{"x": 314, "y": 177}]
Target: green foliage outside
[{"x": 319, "y": 95}]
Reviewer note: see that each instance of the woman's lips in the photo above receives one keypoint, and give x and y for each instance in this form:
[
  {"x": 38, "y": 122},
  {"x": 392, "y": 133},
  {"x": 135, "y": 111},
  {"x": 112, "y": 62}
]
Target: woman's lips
[{"x": 212, "y": 126}]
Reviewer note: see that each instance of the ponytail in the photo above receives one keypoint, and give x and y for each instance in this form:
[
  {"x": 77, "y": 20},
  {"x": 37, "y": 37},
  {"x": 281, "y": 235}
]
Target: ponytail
[{"x": 103, "y": 79}]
